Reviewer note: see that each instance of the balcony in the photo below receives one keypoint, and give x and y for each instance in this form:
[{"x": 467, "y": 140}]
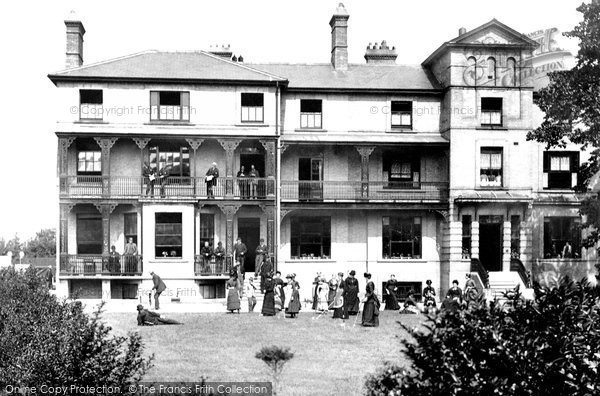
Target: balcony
[
  {"x": 373, "y": 191},
  {"x": 169, "y": 187},
  {"x": 213, "y": 267},
  {"x": 106, "y": 265}
]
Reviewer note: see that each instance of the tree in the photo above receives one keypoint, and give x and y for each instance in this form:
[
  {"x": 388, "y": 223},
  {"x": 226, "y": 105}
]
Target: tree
[
  {"x": 43, "y": 245},
  {"x": 14, "y": 246},
  {"x": 47, "y": 341},
  {"x": 571, "y": 103},
  {"x": 549, "y": 346}
]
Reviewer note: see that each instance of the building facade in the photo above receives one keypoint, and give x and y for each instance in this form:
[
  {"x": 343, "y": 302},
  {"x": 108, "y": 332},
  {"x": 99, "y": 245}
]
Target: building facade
[{"x": 420, "y": 171}]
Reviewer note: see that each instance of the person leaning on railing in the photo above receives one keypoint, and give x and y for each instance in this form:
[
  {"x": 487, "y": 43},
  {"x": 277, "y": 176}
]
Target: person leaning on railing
[
  {"x": 130, "y": 253},
  {"x": 220, "y": 256},
  {"x": 207, "y": 254}
]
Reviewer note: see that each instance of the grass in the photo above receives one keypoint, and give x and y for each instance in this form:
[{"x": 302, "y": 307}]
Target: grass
[{"x": 329, "y": 359}]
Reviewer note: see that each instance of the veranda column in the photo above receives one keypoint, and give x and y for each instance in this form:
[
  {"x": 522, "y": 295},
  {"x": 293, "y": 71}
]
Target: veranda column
[
  {"x": 141, "y": 143},
  {"x": 63, "y": 164},
  {"x": 364, "y": 152},
  {"x": 105, "y": 210},
  {"x": 229, "y": 211},
  {"x": 65, "y": 209},
  {"x": 475, "y": 240},
  {"x": 140, "y": 232},
  {"x": 270, "y": 160},
  {"x": 229, "y": 145},
  {"x": 105, "y": 146},
  {"x": 269, "y": 211},
  {"x": 194, "y": 144},
  {"x": 506, "y": 246}
]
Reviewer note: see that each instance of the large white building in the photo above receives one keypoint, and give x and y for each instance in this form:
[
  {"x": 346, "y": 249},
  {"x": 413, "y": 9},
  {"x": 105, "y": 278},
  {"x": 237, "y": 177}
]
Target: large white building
[{"x": 423, "y": 171}]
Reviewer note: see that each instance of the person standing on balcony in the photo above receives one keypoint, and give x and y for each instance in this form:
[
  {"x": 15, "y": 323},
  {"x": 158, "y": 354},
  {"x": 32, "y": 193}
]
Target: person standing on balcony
[
  {"x": 114, "y": 261},
  {"x": 253, "y": 175},
  {"x": 242, "y": 182},
  {"x": 567, "y": 251},
  {"x": 212, "y": 174},
  {"x": 150, "y": 173},
  {"x": 220, "y": 256},
  {"x": 159, "y": 287},
  {"x": 130, "y": 256},
  {"x": 239, "y": 251},
  {"x": 206, "y": 253}
]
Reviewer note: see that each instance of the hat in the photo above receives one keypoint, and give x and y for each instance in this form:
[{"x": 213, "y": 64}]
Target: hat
[
  {"x": 367, "y": 275},
  {"x": 352, "y": 272},
  {"x": 340, "y": 274},
  {"x": 288, "y": 276},
  {"x": 140, "y": 307},
  {"x": 428, "y": 281}
]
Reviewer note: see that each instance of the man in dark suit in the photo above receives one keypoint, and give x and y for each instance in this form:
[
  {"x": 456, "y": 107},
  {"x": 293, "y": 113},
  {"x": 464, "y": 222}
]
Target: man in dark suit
[
  {"x": 211, "y": 179},
  {"x": 239, "y": 251},
  {"x": 159, "y": 287},
  {"x": 206, "y": 253},
  {"x": 149, "y": 318}
]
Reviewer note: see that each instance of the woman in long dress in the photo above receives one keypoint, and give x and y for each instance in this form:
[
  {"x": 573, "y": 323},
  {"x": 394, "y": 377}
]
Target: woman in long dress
[
  {"x": 338, "y": 300},
  {"x": 391, "y": 301},
  {"x": 333, "y": 282},
  {"x": 370, "y": 316},
  {"x": 233, "y": 293},
  {"x": 268, "y": 307},
  {"x": 293, "y": 307},
  {"x": 323, "y": 295}
]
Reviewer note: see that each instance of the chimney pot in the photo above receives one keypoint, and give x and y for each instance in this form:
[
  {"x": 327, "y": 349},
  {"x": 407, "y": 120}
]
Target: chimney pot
[
  {"x": 462, "y": 31},
  {"x": 381, "y": 54},
  {"x": 75, "y": 33},
  {"x": 234, "y": 58},
  {"x": 222, "y": 51},
  {"x": 240, "y": 58}
]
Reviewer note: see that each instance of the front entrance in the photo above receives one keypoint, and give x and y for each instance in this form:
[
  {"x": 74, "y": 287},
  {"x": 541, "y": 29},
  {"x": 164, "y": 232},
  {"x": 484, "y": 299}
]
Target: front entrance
[
  {"x": 490, "y": 242},
  {"x": 249, "y": 231}
]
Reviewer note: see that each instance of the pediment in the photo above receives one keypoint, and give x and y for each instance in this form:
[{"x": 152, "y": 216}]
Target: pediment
[{"x": 494, "y": 32}]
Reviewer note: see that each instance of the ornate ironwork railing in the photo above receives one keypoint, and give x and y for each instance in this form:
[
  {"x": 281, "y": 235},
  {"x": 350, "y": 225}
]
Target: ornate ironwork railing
[
  {"x": 358, "y": 190},
  {"x": 74, "y": 264},
  {"x": 212, "y": 266}
]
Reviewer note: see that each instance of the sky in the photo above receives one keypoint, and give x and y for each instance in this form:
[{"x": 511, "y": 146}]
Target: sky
[{"x": 33, "y": 45}]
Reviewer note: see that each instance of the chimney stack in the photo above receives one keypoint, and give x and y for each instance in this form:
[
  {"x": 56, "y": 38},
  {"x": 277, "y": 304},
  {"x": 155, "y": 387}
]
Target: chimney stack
[
  {"x": 381, "y": 55},
  {"x": 75, "y": 32},
  {"x": 222, "y": 51},
  {"x": 339, "y": 38},
  {"x": 462, "y": 31}
]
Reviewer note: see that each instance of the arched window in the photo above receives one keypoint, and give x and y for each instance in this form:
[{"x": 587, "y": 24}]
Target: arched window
[
  {"x": 470, "y": 75},
  {"x": 491, "y": 69},
  {"x": 511, "y": 72}
]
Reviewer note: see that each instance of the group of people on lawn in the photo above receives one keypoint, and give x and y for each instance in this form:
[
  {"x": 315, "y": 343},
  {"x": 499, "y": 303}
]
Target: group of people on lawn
[{"x": 247, "y": 180}]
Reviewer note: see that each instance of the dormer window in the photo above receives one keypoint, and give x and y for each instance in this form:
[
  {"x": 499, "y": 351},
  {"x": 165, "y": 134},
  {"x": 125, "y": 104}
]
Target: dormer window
[
  {"x": 169, "y": 106},
  {"x": 253, "y": 107},
  {"x": 491, "y": 111},
  {"x": 401, "y": 114},
  {"x": 90, "y": 104}
]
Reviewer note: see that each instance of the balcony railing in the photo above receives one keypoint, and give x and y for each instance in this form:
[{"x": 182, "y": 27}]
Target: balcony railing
[
  {"x": 167, "y": 187},
  {"x": 74, "y": 264},
  {"x": 213, "y": 266},
  {"x": 357, "y": 190}
]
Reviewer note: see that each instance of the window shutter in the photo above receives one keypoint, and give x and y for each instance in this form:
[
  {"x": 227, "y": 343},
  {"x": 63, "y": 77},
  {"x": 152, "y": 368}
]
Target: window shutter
[
  {"x": 574, "y": 168},
  {"x": 546, "y": 161},
  {"x": 185, "y": 106}
]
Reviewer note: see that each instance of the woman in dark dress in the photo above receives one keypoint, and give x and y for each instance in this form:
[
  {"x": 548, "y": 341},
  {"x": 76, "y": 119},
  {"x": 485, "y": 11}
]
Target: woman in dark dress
[
  {"x": 268, "y": 307},
  {"x": 338, "y": 300},
  {"x": 351, "y": 301},
  {"x": 391, "y": 301},
  {"x": 429, "y": 295},
  {"x": 315, "y": 291},
  {"x": 370, "y": 316},
  {"x": 233, "y": 293},
  {"x": 294, "y": 305}
]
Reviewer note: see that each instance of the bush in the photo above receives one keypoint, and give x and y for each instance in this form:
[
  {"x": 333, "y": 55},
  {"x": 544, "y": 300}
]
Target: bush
[
  {"x": 550, "y": 346},
  {"x": 44, "y": 340},
  {"x": 275, "y": 358}
]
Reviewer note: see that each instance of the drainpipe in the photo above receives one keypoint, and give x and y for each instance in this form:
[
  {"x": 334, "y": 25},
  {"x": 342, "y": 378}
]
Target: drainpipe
[{"x": 277, "y": 177}]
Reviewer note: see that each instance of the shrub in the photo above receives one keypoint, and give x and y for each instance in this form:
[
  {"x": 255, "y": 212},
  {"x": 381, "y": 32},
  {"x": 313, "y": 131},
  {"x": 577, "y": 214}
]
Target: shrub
[
  {"x": 549, "y": 346},
  {"x": 44, "y": 340},
  {"x": 275, "y": 358}
]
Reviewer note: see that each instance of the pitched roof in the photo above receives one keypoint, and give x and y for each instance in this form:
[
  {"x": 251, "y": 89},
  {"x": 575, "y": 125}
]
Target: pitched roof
[
  {"x": 357, "y": 77},
  {"x": 201, "y": 66},
  {"x": 155, "y": 65}
]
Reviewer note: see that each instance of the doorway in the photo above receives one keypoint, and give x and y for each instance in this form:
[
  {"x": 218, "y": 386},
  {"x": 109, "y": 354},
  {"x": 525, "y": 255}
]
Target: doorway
[
  {"x": 256, "y": 159},
  {"x": 310, "y": 176},
  {"x": 490, "y": 242},
  {"x": 249, "y": 231}
]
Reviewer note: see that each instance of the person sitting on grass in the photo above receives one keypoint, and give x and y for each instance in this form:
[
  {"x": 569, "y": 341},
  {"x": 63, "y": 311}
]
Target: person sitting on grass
[
  {"x": 149, "y": 318},
  {"x": 410, "y": 305}
]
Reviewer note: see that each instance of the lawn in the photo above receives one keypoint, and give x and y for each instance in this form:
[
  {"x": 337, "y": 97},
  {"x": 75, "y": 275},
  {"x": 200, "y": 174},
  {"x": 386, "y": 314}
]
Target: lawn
[{"x": 330, "y": 359}]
